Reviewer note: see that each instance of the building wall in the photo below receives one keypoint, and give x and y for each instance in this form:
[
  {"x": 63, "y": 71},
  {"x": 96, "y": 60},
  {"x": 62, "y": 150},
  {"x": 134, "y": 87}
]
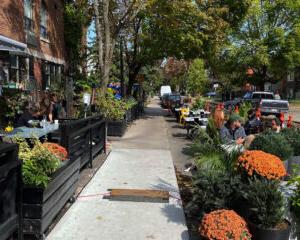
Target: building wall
[
  {"x": 52, "y": 49},
  {"x": 11, "y": 19}
]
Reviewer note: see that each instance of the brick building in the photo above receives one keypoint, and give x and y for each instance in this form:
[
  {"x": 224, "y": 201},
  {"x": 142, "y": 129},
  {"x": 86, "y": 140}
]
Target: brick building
[{"x": 32, "y": 48}]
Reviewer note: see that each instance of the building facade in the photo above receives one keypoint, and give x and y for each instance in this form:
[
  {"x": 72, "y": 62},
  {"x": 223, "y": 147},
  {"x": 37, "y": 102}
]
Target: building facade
[{"x": 32, "y": 46}]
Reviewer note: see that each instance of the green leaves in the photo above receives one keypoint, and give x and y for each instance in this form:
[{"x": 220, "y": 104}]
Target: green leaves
[
  {"x": 266, "y": 203},
  {"x": 38, "y": 163},
  {"x": 273, "y": 143},
  {"x": 197, "y": 79}
]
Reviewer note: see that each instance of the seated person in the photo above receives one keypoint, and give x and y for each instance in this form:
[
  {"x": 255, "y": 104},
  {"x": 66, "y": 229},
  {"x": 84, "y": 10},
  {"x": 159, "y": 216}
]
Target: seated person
[
  {"x": 30, "y": 113},
  {"x": 254, "y": 124},
  {"x": 232, "y": 131},
  {"x": 276, "y": 125}
]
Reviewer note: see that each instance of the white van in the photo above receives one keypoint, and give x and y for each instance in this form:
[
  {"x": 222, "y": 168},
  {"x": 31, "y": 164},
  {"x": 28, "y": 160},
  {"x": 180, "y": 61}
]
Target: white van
[{"x": 165, "y": 90}]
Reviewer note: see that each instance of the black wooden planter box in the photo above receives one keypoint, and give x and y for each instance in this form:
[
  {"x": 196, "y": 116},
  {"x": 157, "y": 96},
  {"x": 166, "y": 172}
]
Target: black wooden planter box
[
  {"x": 40, "y": 206},
  {"x": 116, "y": 128},
  {"x": 10, "y": 192}
]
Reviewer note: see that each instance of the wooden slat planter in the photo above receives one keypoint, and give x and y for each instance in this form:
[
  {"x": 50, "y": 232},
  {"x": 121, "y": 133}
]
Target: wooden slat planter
[
  {"x": 10, "y": 192},
  {"x": 84, "y": 138},
  {"x": 116, "y": 128},
  {"x": 40, "y": 206}
]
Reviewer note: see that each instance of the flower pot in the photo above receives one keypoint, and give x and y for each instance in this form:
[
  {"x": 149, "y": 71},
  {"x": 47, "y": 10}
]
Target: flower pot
[
  {"x": 269, "y": 234},
  {"x": 41, "y": 205}
]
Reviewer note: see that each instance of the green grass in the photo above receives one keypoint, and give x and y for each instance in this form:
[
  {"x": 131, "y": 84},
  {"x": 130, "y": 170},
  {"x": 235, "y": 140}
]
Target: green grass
[{"x": 295, "y": 102}]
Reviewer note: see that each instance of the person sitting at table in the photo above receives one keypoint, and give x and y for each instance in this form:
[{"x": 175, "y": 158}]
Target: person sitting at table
[
  {"x": 29, "y": 113},
  {"x": 46, "y": 108},
  {"x": 276, "y": 125},
  {"x": 233, "y": 131}
]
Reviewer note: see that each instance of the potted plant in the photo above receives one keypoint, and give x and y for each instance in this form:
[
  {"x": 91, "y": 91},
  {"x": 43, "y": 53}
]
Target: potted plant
[
  {"x": 273, "y": 143},
  {"x": 49, "y": 182},
  {"x": 292, "y": 135},
  {"x": 115, "y": 112},
  {"x": 131, "y": 109},
  {"x": 262, "y": 173},
  {"x": 212, "y": 190},
  {"x": 224, "y": 225}
]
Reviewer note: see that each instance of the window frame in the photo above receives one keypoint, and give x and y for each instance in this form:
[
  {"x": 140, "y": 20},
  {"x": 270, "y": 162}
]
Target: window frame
[{"x": 43, "y": 21}]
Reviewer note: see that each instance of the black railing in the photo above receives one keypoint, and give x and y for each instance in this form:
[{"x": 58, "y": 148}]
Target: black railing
[{"x": 84, "y": 138}]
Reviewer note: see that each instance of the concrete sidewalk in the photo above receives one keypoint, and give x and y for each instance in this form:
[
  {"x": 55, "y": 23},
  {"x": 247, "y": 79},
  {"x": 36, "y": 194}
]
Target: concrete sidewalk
[{"x": 140, "y": 160}]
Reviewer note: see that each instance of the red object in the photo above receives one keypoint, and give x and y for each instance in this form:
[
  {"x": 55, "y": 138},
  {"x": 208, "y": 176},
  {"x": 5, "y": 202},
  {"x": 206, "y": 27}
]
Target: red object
[
  {"x": 289, "y": 123},
  {"x": 281, "y": 118},
  {"x": 236, "y": 110},
  {"x": 222, "y": 106},
  {"x": 258, "y": 114},
  {"x": 57, "y": 150}
]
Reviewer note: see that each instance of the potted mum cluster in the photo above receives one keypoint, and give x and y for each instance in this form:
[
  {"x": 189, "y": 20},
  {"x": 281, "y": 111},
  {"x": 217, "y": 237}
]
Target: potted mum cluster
[
  {"x": 261, "y": 174},
  {"x": 50, "y": 180},
  {"x": 285, "y": 145},
  {"x": 224, "y": 224}
]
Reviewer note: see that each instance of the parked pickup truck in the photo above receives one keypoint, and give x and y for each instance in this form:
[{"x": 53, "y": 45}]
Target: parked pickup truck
[{"x": 264, "y": 100}]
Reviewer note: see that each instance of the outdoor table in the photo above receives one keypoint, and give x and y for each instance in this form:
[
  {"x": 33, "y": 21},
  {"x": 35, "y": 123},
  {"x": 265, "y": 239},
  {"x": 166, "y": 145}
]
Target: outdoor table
[
  {"x": 26, "y": 132},
  {"x": 193, "y": 121}
]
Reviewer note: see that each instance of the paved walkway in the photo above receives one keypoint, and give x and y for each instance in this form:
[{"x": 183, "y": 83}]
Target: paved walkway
[{"x": 140, "y": 160}]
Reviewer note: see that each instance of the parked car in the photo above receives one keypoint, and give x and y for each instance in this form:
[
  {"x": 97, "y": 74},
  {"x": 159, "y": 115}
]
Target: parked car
[
  {"x": 173, "y": 101},
  {"x": 263, "y": 100}
]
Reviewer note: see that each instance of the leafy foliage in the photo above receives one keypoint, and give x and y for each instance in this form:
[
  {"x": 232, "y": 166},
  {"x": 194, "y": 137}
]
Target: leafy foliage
[
  {"x": 199, "y": 103},
  {"x": 212, "y": 190},
  {"x": 266, "y": 203},
  {"x": 292, "y": 135},
  {"x": 111, "y": 108},
  {"x": 266, "y": 41},
  {"x": 273, "y": 143},
  {"x": 244, "y": 109},
  {"x": 296, "y": 197},
  {"x": 197, "y": 79},
  {"x": 38, "y": 163}
]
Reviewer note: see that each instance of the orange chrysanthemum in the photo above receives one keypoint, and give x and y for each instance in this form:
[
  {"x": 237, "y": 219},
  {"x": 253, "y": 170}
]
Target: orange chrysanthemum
[
  {"x": 263, "y": 164},
  {"x": 224, "y": 225},
  {"x": 57, "y": 150}
]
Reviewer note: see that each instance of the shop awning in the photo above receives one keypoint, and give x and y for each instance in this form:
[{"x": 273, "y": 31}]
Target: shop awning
[
  {"x": 12, "y": 46},
  {"x": 12, "y": 50}
]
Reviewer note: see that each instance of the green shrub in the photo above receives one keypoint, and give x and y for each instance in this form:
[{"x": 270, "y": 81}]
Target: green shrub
[
  {"x": 292, "y": 135},
  {"x": 212, "y": 190},
  {"x": 199, "y": 103},
  {"x": 130, "y": 103},
  {"x": 296, "y": 196},
  {"x": 38, "y": 163},
  {"x": 111, "y": 108},
  {"x": 273, "y": 143},
  {"x": 265, "y": 201}
]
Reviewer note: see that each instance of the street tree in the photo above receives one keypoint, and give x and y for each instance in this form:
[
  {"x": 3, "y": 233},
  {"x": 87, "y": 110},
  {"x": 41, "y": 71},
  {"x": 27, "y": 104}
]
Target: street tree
[{"x": 197, "y": 79}]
